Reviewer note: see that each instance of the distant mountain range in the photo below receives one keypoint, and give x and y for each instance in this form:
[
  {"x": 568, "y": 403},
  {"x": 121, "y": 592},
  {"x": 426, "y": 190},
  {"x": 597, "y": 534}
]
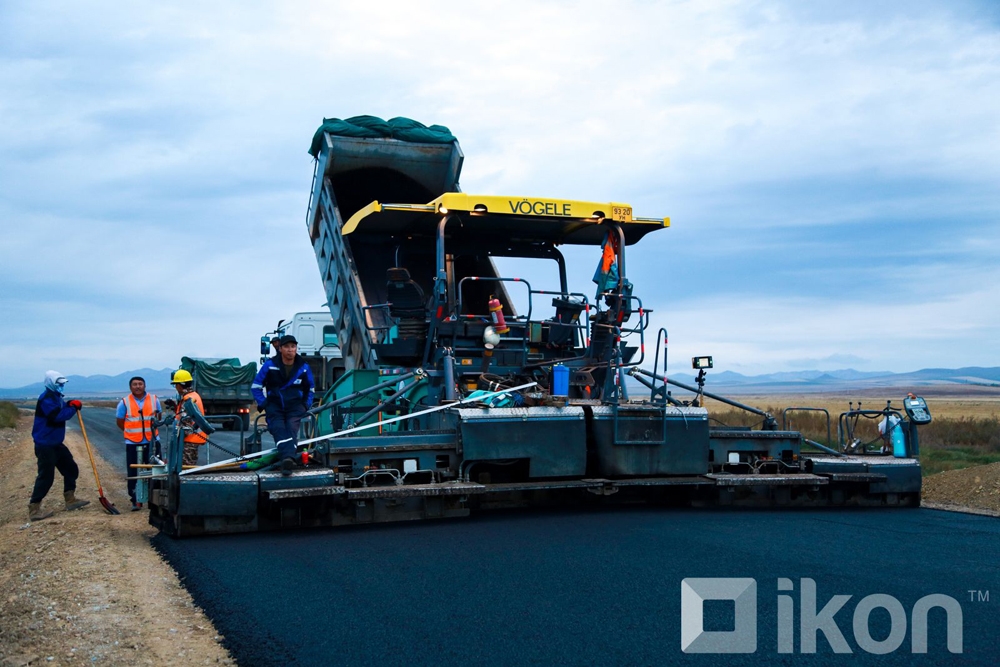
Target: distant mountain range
[
  {"x": 158, "y": 381},
  {"x": 847, "y": 379}
]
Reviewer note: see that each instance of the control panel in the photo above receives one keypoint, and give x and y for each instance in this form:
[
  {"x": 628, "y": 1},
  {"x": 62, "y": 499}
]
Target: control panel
[{"x": 916, "y": 410}]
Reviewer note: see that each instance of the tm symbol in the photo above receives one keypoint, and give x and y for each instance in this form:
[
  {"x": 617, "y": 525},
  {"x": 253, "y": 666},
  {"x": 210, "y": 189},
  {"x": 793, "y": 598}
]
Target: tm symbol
[{"x": 978, "y": 596}]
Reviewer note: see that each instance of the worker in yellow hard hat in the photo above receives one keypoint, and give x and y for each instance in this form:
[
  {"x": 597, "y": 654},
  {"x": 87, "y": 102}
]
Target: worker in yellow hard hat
[{"x": 184, "y": 384}]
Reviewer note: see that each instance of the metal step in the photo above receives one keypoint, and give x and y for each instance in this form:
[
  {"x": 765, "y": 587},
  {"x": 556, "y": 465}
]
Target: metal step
[
  {"x": 869, "y": 477},
  {"x": 798, "y": 479},
  {"x": 414, "y": 490},
  {"x": 308, "y": 492}
]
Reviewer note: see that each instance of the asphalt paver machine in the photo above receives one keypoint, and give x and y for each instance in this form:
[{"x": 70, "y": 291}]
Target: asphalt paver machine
[{"x": 468, "y": 389}]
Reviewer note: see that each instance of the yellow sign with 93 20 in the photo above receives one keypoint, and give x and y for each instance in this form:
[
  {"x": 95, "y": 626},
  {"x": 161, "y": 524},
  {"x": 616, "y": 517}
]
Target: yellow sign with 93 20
[{"x": 621, "y": 213}]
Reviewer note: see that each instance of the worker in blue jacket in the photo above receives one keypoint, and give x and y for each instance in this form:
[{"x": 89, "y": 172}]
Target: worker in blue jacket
[
  {"x": 49, "y": 432},
  {"x": 283, "y": 389}
]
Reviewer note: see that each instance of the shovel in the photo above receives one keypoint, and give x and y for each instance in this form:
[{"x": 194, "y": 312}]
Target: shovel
[{"x": 108, "y": 505}]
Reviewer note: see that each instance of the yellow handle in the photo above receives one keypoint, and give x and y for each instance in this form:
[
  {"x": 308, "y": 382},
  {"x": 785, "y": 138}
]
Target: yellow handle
[{"x": 86, "y": 441}]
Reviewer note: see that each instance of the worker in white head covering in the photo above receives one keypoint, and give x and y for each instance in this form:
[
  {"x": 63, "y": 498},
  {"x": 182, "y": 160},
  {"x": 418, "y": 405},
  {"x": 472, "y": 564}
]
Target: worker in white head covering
[{"x": 49, "y": 431}]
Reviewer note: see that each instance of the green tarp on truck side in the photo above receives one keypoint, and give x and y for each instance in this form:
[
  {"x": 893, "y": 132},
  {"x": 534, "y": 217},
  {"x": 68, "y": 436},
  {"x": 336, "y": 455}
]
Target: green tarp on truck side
[
  {"x": 220, "y": 372},
  {"x": 372, "y": 127}
]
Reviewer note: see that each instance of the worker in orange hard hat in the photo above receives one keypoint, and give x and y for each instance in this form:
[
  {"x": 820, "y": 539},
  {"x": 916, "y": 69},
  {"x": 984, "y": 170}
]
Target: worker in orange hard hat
[{"x": 184, "y": 384}]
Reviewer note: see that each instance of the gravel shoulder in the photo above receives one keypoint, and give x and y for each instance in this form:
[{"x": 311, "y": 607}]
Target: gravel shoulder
[
  {"x": 86, "y": 587},
  {"x": 975, "y": 490}
]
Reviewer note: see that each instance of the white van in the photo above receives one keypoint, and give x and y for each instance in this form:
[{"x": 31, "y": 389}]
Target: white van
[
  {"x": 317, "y": 339},
  {"x": 314, "y": 332}
]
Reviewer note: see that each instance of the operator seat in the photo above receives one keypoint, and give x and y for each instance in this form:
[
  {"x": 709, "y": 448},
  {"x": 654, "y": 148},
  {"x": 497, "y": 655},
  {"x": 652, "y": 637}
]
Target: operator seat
[
  {"x": 407, "y": 307},
  {"x": 406, "y": 303}
]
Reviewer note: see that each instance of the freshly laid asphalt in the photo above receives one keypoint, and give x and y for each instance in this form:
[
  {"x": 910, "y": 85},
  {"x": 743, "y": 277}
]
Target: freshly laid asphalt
[
  {"x": 583, "y": 587},
  {"x": 574, "y": 587}
]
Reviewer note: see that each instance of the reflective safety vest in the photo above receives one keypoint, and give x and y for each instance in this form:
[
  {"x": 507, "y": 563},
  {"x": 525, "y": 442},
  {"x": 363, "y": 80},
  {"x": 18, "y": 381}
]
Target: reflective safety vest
[
  {"x": 138, "y": 422},
  {"x": 198, "y": 438}
]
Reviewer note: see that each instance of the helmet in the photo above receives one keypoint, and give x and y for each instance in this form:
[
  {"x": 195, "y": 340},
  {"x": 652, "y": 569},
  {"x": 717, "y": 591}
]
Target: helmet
[{"x": 181, "y": 376}]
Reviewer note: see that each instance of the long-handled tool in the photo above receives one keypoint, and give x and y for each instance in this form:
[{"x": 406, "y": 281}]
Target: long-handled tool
[{"x": 108, "y": 505}]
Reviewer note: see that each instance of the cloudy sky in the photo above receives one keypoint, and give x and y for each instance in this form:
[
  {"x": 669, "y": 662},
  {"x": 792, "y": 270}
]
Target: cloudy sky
[{"x": 831, "y": 168}]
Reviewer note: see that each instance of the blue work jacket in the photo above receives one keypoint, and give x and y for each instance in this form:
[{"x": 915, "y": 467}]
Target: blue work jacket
[
  {"x": 272, "y": 390},
  {"x": 51, "y": 415}
]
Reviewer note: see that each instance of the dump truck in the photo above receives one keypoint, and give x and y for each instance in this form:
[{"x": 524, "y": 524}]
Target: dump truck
[
  {"x": 454, "y": 401},
  {"x": 224, "y": 387}
]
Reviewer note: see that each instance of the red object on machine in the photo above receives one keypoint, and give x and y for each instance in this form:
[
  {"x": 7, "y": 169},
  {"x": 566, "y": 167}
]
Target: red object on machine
[{"x": 496, "y": 312}]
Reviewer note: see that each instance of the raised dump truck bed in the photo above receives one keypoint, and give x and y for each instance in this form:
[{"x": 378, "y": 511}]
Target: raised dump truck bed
[{"x": 350, "y": 172}]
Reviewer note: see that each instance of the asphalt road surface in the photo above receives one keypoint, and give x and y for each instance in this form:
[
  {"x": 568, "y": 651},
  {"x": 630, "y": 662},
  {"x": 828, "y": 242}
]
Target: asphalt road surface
[
  {"x": 578, "y": 587},
  {"x": 587, "y": 587}
]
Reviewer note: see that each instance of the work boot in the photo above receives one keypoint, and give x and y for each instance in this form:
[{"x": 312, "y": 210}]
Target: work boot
[
  {"x": 72, "y": 503},
  {"x": 286, "y": 466},
  {"x": 35, "y": 512}
]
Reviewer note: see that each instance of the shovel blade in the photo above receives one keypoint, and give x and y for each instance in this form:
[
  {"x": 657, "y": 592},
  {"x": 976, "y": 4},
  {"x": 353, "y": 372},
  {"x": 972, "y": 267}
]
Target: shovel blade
[{"x": 109, "y": 506}]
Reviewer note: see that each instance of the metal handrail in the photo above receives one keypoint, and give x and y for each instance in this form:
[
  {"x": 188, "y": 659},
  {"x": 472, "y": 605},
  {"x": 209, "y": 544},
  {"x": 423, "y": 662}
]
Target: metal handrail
[
  {"x": 458, "y": 300},
  {"x": 223, "y": 419},
  {"x": 583, "y": 324},
  {"x": 784, "y": 419},
  {"x": 640, "y": 328},
  {"x": 844, "y": 429}
]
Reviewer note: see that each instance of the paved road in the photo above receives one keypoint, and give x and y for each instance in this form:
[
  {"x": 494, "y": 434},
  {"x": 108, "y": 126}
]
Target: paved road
[{"x": 582, "y": 588}]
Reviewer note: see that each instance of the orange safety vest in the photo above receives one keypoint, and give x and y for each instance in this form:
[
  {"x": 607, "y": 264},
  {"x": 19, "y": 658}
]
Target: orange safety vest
[
  {"x": 138, "y": 422},
  {"x": 198, "y": 438}
]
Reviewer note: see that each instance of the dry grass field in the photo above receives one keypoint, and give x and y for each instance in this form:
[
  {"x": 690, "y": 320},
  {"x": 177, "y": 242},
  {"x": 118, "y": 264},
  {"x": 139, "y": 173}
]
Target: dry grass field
[
  {"x": 965, "y": 431},
  {"x": 8, "y": 414}
]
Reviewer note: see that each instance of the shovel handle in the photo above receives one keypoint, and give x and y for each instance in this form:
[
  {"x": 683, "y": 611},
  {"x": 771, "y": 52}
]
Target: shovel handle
[{"x": 90, "y": 452}]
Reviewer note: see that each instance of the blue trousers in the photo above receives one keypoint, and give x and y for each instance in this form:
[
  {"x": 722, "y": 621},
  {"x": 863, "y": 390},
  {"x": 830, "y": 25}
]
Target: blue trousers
[
  {"x": 283, "y": 424},
  {"x": 52, "y": 458}
]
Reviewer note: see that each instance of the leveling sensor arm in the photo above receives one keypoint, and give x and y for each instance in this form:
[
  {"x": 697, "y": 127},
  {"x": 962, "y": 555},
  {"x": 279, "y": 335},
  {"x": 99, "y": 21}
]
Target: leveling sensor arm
[{"x": 770, "y": 423}]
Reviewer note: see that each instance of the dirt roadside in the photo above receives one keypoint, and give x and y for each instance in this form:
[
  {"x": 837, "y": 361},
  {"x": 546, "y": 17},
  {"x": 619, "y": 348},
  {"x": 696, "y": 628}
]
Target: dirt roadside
[
  {"x": 975, "y": 489},
  {"x": 85, "y": 587}
]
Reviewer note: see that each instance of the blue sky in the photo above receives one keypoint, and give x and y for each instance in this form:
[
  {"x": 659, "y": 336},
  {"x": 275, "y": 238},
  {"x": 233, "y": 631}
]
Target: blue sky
[{"x": 830, "y": 168}]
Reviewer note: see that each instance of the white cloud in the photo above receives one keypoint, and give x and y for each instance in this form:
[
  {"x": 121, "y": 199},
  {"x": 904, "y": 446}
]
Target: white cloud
[
  {"x": 766, "y": 335},
  {"x": 155, "y": 176}
]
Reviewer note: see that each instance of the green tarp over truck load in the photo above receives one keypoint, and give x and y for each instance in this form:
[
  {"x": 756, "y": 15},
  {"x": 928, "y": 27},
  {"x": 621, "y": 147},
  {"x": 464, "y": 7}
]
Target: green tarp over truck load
[
  {"x": 372, "y": 127},
  {"x": 220, "y": 372}
]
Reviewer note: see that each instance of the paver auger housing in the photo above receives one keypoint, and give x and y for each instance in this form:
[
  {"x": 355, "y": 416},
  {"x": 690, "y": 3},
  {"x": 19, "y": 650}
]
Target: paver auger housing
[{"x": 455, "y": 400}]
